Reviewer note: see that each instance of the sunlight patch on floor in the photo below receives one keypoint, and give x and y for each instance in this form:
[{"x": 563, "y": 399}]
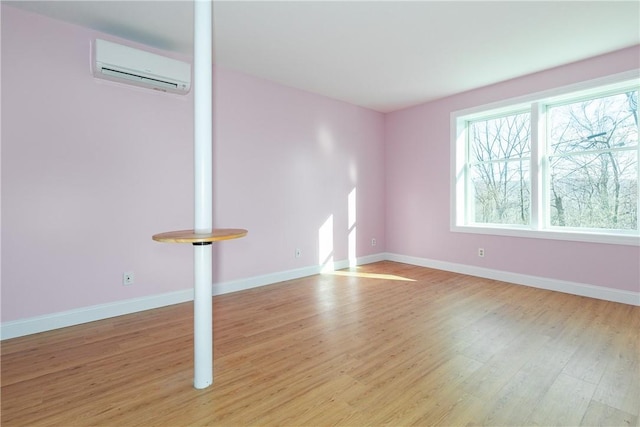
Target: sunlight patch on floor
[{"x": 369, "y": 275}]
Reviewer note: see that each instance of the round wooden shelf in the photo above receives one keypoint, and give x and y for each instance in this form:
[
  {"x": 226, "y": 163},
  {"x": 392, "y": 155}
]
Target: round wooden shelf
[{"x": 190, "y": 236}]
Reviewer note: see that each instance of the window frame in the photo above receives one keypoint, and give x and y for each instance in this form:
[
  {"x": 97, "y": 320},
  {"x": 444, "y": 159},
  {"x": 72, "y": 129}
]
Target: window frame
[{"x": 539, "y": 225}]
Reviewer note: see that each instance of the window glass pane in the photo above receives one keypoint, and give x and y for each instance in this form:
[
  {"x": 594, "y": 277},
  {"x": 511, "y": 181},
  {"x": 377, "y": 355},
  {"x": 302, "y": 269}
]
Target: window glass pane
[
  {"x": 500, "y": 138},
  {"x": 499, "y": 156},
  {"x": 595, "y": 124},
  {"x": 595, "y": 190},
  {"x": 594, "y": 163},
  {"x": 501, "y": 192}
]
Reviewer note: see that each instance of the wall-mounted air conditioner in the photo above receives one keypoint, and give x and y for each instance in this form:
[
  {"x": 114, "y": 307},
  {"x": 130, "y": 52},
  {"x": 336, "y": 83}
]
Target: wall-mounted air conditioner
[{"x": 128, "y": 65}]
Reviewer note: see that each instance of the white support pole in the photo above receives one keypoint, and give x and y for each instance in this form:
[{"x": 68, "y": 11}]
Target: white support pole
[
  {"x": 202, "y": 318},
  {"x": 203, "y": 114},
  {"x": 203, "y": 221}
]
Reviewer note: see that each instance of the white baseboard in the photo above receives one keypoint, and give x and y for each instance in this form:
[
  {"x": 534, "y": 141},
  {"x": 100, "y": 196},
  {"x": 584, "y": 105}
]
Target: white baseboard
[
  {"x": 48, "y": 322},
  {"x": 269, "y": 279},
  {"x": 63, "y": 319},
  {"x": 34, "y": 325},
  {"x": 581, "y": 289}
]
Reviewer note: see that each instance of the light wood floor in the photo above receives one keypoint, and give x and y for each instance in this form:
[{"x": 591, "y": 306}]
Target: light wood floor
[{"x": 387, "y": 344}]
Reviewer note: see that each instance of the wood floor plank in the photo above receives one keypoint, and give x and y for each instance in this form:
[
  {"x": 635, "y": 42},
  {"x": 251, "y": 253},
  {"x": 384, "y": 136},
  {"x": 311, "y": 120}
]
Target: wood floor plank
[
  {"x": 499, "y": 371},
  {"x": 381, "y": 344},
  {"x": 426, "y": 396},
  {"x": 565, "y": 392},
  {"x": 515, "y": 402},
  {"x": 618, "y": 386},
  {"x": 599, "y": 414}
]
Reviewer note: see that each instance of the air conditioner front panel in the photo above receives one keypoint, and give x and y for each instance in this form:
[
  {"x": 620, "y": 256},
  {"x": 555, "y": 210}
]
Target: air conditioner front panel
[{"x": 128, "y": 65}]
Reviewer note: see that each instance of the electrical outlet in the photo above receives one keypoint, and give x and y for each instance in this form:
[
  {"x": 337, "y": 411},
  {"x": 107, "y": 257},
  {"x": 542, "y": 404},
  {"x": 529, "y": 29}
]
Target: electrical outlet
[
  {"x": 298, "y": 253},
  {"x": 373, "y": 242},
  {"x": 481, "y": 252},
  {"x": 127, "y": 279}
]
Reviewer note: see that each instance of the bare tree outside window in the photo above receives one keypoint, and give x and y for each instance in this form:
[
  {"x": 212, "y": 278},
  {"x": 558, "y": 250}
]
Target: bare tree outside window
[
  {"x": 593, "y": 163},
  {"x": 499, "y": 159}
]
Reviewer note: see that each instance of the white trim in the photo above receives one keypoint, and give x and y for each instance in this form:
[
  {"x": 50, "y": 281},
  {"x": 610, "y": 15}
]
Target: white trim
[
  {"x": 573, "y": 288},
  {"x": 34, "y": 325},
  {"x": 48, "y": 322},
  {"x": 551, "y": 234}
]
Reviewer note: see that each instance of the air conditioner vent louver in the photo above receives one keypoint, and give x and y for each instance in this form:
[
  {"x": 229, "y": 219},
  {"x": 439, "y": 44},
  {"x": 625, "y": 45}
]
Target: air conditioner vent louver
[{"x": 122, "y": 74}]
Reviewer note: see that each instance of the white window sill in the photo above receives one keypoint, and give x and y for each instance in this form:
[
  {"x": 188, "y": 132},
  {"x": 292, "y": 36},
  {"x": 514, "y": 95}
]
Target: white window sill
[{"x": 630, "y": 238}]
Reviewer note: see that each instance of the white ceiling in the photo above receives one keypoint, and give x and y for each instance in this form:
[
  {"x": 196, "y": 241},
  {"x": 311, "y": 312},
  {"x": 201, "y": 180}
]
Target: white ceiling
[{"x": 383, "y": 55}]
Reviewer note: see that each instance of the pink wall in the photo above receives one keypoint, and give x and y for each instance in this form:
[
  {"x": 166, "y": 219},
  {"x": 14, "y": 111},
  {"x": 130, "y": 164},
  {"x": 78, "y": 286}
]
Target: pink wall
[
  {"x": 286, "y": 160},
  {"x": 418, "y": 195},
  {"x": 91, "y": 169}
]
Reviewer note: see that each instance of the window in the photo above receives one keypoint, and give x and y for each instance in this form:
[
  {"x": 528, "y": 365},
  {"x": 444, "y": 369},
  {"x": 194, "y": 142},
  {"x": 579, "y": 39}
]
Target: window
[
  {"x": 555, "y": 165},
  {"x": 499, "y": 178}
]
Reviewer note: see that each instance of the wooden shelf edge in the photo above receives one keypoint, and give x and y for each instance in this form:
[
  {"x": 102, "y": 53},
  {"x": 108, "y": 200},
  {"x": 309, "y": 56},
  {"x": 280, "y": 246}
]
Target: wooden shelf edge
[{"x": 190, "y": 236}]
